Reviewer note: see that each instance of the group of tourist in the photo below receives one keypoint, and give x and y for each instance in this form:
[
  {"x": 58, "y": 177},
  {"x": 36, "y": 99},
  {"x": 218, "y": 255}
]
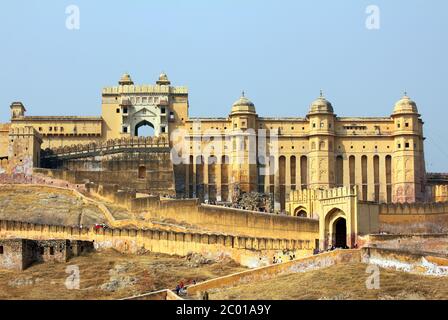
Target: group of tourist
[
  {"x": 291, "y": 256},
  {"x": 333, "y": 247},
  {"x": 181, "y": 287}
]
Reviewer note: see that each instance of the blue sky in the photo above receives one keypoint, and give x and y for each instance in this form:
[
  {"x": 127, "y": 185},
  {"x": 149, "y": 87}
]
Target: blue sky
[{"x": 280, "y": 52}]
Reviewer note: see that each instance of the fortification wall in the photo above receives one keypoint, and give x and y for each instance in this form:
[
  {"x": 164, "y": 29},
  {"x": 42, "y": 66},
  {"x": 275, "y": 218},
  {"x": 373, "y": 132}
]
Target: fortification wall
[
  {"x": 414, "y": 218},
  {"x": 248, "y": 251},
  {"x": 423, "y": 243},
  {"x": 212, "y": 217},
  {"x": 323, "y": 260}
]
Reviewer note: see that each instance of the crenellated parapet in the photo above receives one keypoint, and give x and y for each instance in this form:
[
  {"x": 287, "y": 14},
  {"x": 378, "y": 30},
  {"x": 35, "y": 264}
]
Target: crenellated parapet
[
  {"x": 109, "y": 145},
  {"x": 316, "y": 194},
  {"x": 414, "y": 208}
]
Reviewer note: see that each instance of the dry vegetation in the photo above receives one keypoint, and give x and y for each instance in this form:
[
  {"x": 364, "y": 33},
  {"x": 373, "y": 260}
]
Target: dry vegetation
[
  {"x": 108, "y": 275},
  {"x": 46, "y": 206},
  {"x": 346, "y": 281}
]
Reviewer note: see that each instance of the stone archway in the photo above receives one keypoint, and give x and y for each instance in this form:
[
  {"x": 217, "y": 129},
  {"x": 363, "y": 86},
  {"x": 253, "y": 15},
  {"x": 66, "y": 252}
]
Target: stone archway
[
  {"x": 142, "y": 124},
  {"x": 335, "y": 229},
  {"x": 340, "y": 233}
]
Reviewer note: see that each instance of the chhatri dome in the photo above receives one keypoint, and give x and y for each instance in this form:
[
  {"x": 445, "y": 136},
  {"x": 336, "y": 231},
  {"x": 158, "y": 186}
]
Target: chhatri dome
[
  {"x": 243, "y": 105},
  {"x": 125, "y": 80},
  {"x": 405, "y": 105},
  {"x": 163, "y": 79},
  {"x": 321, "y": 105}
]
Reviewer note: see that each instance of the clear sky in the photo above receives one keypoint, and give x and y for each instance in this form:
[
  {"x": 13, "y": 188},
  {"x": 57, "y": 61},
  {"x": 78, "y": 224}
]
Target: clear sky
[{"x": 280, "y": 52}]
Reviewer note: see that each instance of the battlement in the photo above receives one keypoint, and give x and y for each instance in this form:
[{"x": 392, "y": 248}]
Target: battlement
[
  {"x": 22, "y": 131},
  {"x": 114, "y": 144},
  {"x": 144, "y": 89},
  {"x": 414, "y": 208},
  {"x": 316, "y": 194}
]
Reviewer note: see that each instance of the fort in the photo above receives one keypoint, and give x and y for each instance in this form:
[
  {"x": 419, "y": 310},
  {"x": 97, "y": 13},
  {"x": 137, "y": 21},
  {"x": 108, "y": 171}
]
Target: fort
[{"x": 346, "y": 182}]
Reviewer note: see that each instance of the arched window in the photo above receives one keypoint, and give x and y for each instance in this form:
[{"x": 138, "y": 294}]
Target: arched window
[{"x": 141, "y": 172}]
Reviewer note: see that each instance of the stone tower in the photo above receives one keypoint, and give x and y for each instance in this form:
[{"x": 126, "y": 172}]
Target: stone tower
[
  {"x": 24, "y": 150},
  {"x": 321, "y": 143},
  {"x": 243, "y": 164},
  {"x": 408, "y": 157},
  {"x": 17, "y": 110}
]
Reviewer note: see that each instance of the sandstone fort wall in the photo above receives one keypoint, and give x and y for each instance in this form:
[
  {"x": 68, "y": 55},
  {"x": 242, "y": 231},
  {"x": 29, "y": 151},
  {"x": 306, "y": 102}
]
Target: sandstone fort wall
[
  {"x": 414, "y": 218},
  {"x": 248, "y": 251}
]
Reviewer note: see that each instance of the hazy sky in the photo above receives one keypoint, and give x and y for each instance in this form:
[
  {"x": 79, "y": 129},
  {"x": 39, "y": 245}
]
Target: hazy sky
[{"x": 280, "y": 52}]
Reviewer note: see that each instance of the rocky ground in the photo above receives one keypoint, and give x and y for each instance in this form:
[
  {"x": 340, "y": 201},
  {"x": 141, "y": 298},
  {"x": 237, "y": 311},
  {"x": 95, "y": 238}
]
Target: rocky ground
[
  {"x": 109, "y": 275},
  {"x": 340, "y": 282},
  {"x": 36, "y": 204}
]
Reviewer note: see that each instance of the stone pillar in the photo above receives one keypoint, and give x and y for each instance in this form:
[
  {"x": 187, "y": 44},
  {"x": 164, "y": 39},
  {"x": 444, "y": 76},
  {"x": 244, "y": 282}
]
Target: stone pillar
[
  {"x": 276, "y": 185},
  {"x": 195, "y": 189},
  {"x": 205, "y": 167},
  {"x": 187, "y": 179},
  {"x": 218, "y": 178},
  {"x": 288, "y": 175},
  {"x": 358, "y": 174},
  {"x": 346, "y": 170},
  {"x": 383, "y": 179},
  {"x": 370, "y": 178}
]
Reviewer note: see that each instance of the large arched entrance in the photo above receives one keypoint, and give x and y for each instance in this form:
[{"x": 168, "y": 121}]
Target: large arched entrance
[
  {"x": 340, "y": 233},
  {"x": 144, "y": 129}
]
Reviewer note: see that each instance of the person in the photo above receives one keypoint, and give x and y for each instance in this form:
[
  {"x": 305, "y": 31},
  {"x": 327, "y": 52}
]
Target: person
[{"x": 177, "y": 289}]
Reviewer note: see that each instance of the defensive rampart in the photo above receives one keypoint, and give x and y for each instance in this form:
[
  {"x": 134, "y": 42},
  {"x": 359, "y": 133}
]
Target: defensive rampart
[{"x": 248, "y": 251}]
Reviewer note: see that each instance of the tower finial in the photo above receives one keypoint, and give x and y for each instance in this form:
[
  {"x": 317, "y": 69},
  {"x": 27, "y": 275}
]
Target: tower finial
[
  {"x": 242, "y": 93},
  {"x": 321, "y": 93},
  {"x": 405, "y": 93}
]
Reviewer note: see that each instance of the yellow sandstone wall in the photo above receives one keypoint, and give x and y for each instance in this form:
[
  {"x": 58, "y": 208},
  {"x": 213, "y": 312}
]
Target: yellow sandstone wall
[
  {"x": 414, "y": 218},
  {"x": 248, "y": 251}
]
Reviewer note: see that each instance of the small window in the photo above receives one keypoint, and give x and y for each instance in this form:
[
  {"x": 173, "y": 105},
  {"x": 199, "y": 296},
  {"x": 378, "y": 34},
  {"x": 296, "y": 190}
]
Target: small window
[
  {"x": 40, "y": 128},
  {"x": 406, "y": 124},
  {"x": 55, "y": 128},
  {"x": 51, "y": 251},
  {"x": 163, "y": 129},
  {"x": 125, "y": 129},
  {"x": 50, "y": 129},
  {"x": 62, "y": 129},
  {"x": 329, "y": 125},
  {"x": 406, "y": 145},
  {"x": 125, "y": 110},
  {"x": 163, "y": 110},
  {"x": 1, "y": 249},
  {"x": 398, "y": 125},
  {"x": 314, "y": 125},
  {"x": 399, "y": 146},
  {"x": 141, "y": 172},
  {"x": 118, "y": 110}
]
